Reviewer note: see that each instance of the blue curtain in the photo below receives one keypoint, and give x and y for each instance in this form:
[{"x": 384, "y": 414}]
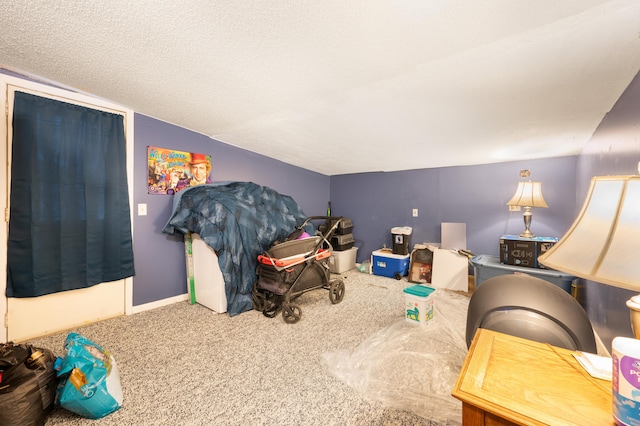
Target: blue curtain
[{"x": 69, "y": 224}]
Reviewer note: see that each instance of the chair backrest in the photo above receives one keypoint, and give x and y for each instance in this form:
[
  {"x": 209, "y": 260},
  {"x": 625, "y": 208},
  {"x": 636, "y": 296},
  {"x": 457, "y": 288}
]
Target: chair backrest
[{"x": 532, "y": 308}]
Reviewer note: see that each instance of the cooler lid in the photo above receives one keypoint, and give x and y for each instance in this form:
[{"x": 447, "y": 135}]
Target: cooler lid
[{"x": 419, "y": 290}]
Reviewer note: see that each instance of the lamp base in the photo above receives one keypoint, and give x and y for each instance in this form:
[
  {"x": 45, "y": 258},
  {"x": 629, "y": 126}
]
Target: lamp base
[
  {"x": 527, "y": 215},
  {"x": 634, "y": 312},
  {"x": 527, "y": 234}
]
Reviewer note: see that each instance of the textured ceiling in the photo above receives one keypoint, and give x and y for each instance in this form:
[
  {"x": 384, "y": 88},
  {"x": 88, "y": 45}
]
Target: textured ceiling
[{"x": 340, "y": 86}]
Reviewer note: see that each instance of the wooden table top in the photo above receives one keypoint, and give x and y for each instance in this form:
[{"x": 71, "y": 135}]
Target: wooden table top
[{"x": 531, "y": 383}]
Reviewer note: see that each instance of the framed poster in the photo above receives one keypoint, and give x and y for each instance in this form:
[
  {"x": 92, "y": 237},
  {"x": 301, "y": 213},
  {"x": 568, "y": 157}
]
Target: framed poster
[{"x": 171, "y": 171}]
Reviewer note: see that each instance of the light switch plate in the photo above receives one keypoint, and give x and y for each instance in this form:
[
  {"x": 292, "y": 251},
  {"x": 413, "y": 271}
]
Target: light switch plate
[{"x": 142, "y": 209}]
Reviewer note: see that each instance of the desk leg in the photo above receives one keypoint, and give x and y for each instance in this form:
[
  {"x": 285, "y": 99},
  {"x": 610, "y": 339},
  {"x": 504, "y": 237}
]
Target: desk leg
[{"x": 472, "y": 416}]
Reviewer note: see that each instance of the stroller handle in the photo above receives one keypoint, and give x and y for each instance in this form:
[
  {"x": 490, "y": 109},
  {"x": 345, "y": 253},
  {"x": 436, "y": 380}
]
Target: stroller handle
[{"x": 335, "y": 220}]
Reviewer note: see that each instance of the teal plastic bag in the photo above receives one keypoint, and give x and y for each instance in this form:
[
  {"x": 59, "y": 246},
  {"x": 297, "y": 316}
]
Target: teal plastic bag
[{"x": 89, "y": 380}]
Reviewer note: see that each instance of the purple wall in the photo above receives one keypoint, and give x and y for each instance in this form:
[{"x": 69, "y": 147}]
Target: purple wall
[
  {"x": 475, "y": 195},
  {"x": 614, "y": 149},
  {"x": 159, "y": 258}
]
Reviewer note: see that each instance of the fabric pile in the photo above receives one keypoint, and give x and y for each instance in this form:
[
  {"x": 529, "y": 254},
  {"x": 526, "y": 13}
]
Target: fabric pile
[{"x": 239, "y": 220}]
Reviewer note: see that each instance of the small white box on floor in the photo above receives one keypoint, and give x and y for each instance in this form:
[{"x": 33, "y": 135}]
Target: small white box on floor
[
  {"x": 342, "y": 261},
  {"x": 419, "y": 304}
]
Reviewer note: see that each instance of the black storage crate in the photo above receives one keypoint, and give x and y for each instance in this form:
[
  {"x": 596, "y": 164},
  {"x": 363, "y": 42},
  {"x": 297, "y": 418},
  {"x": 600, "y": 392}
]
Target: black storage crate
[
  {"x": 342, "y": 242},
  {"x": 518, "y": 251},
  {"x": 345, "y": 227}
]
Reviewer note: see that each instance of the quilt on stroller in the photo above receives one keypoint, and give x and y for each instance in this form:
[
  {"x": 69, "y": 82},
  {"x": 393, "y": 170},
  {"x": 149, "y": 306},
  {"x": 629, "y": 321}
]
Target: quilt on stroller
[{"x": 290, "y": 268}]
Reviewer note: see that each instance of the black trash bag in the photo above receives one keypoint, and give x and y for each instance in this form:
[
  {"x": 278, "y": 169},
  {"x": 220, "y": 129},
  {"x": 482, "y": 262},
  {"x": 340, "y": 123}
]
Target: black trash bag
[{"x": 28, "y": 384}]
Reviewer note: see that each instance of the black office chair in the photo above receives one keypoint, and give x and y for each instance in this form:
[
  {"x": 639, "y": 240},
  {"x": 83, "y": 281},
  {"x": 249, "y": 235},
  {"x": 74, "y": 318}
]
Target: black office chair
[{"x": 532, "y": 308}]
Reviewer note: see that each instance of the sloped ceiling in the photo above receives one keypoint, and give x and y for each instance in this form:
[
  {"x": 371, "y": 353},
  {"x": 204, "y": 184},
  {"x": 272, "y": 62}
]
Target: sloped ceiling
[{"x": 340, "y": 86}]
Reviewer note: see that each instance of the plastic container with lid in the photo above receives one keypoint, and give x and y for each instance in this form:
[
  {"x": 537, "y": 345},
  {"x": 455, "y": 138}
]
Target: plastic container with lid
[{"x": 419, "y": 304}]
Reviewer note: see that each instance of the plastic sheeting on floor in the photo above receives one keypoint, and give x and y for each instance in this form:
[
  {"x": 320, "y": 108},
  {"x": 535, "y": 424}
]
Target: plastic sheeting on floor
[{"x": 411, "y": 367}]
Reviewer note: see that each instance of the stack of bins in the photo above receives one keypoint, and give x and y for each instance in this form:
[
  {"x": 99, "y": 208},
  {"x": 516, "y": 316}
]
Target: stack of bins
[{"x": 344, "y": 253}]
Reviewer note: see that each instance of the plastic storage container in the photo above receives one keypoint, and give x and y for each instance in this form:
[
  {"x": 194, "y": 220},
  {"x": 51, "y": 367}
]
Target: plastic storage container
[
  {"x": 486, "y": 267},
  {"x": 419, "y": 304},
  {"x": 344, "y": 227},
  {"x": 401, "y": 239},
  {"x": 342, "y": 242},
  {"x": 342, "y": 261},
  {"x": 389, "y": 265}
]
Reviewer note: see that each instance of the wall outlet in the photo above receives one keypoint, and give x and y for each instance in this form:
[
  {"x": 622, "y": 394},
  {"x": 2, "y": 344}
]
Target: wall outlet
[
  {"x": 414, "y": 212},
  {"x": 514, "y": 208}
]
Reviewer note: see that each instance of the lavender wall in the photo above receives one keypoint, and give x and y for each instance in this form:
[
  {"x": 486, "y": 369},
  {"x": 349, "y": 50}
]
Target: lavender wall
[
  {"x": 159, "y": 258},
  {"x": 475, "y": 195},
  {"x": 614, "y": 149}
]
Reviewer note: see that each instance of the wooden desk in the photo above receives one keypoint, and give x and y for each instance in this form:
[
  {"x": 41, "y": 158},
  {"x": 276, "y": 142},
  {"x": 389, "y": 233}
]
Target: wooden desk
[{"x": 507, "y": 380}]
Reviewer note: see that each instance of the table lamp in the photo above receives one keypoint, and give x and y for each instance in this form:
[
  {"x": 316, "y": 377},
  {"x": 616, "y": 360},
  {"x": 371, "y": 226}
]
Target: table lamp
[
  {"x": 528, "y": 194},
  {"x": 603, "y": 244}
]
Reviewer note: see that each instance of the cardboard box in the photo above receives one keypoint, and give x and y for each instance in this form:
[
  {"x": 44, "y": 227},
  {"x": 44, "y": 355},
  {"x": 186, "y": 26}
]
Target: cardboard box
[
  {"x": 421, "y": 264},
  {"x": 450, "y": 270}
]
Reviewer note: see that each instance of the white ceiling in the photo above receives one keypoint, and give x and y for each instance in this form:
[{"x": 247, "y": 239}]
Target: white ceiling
[{"x": 339, "y": 86}]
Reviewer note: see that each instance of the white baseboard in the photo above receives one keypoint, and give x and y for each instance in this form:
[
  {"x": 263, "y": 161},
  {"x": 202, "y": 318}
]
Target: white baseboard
[{"x": 159, "y": 303}]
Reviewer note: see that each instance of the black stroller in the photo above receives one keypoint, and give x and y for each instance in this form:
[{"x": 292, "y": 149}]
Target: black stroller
[{"x": 293, "y": 267}]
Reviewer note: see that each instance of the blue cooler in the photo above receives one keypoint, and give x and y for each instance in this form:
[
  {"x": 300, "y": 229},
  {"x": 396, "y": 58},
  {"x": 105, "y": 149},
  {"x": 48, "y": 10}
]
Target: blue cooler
[{"x": 389, "y": 265}]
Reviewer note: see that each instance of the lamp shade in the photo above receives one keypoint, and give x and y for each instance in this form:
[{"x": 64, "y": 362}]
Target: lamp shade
[
  {"x": 528, "y": 194},
  {"x": 603, "y": 244}
]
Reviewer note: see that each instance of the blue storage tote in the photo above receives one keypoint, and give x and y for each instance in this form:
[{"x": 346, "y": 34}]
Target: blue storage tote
[
  {"x": 486, "y": 267},
  {"x": 389, "y": 265}
]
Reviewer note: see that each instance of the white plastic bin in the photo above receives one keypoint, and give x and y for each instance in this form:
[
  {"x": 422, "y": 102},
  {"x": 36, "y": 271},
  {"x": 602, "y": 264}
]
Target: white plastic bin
[{"x": 342, "y": 261}]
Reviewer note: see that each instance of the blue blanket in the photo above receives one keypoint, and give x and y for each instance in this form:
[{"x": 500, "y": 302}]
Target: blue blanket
[{"x": 239, "y": 220}]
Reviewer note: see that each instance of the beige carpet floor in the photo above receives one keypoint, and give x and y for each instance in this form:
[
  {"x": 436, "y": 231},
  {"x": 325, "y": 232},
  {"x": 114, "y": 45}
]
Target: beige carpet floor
[{"x": 354, "y": 363}]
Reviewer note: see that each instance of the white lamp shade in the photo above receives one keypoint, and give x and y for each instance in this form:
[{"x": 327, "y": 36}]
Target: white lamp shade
[
  {"x": 528, "y": 194},
  {"x": 603, "y": 244}
]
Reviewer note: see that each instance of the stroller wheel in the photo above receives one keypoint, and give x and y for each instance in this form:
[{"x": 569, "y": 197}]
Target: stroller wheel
[
  {"x": 291, "y": 313},
  {"x": 336, "y": 291},
  {"x": 258, "y": 300},
  {"x": 270, "y": 310}
]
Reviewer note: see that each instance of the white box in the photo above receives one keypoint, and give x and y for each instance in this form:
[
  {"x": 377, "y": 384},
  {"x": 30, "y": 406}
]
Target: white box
[
  {"x": 209, "y": 285},
  {"x": 342, "y": 261},
  {"x": 450, "y": 270}
]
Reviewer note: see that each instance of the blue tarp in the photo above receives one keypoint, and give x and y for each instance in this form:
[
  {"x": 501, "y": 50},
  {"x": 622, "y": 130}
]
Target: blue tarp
[{"x": 239, "y": 220}]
